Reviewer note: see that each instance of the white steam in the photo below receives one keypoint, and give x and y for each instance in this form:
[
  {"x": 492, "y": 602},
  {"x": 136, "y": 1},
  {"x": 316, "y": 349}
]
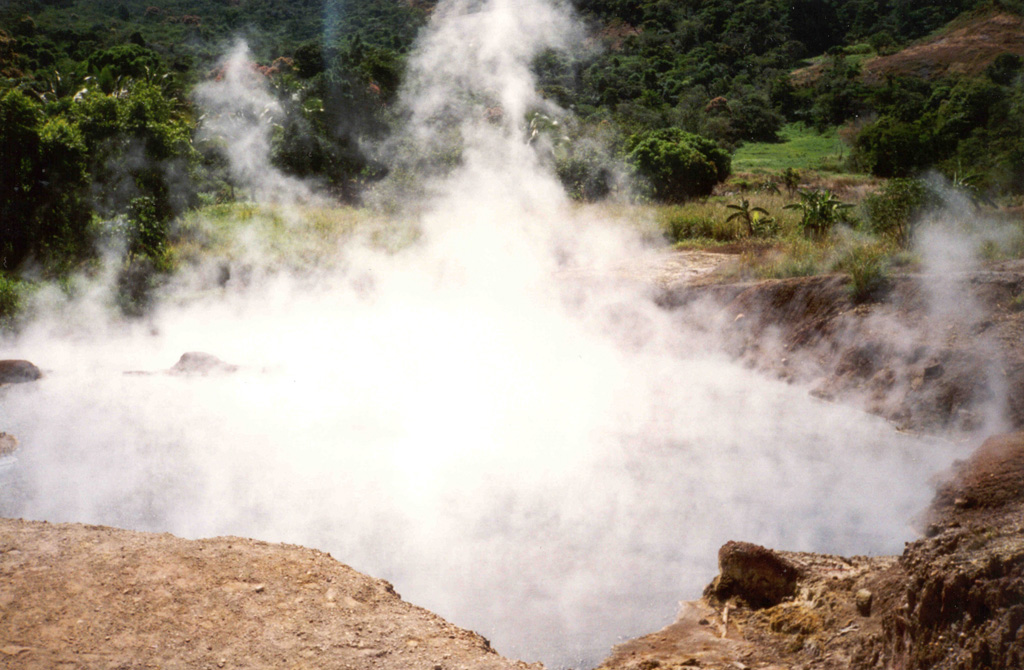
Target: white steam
[
  {"x": 239, "y": 117},
  {"x": 490, "y": 419},
  {"x": 951, "y": 243}
]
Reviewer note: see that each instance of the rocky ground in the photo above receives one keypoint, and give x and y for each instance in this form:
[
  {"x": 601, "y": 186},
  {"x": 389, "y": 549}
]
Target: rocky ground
[
  {"x": 929, "y": 353},
  {"x": 953, "y": 600},
  {"x": 937, "y": 354}
]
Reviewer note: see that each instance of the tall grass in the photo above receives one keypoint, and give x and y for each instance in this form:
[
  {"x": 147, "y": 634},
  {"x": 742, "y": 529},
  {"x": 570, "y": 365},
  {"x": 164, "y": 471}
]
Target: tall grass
[{"x": 706, "y": 221}]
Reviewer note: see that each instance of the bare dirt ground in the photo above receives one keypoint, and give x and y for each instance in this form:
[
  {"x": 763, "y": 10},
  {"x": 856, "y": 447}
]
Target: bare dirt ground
[
  {"x": 77, "y": 596},
  {"x": 662, "y": 268}
]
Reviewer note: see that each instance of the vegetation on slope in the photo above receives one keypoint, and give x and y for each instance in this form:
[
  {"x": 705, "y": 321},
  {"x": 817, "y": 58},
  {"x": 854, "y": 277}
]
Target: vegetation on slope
[{"x": 98, "y": 129}]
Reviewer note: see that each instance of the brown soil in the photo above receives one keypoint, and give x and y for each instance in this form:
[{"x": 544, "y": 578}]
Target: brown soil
[
  {"x": 952, "y": 600},
  {"x": 76, "y": 596},
  {"x": 967, "y": 46}
]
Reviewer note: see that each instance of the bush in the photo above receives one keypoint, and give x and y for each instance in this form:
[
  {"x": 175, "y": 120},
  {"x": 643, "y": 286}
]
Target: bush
[
  {"x": 585, "y": 172},
  {"x": 677, "y": 165},
  {"x": 10, "y": 300},
  {"x": 893, "y": 211}
]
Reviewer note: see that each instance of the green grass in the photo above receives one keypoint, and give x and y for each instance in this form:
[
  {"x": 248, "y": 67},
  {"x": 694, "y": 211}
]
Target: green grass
[
  {"x": 802, "y": 148},
  {"x": 297, "y": 237}
]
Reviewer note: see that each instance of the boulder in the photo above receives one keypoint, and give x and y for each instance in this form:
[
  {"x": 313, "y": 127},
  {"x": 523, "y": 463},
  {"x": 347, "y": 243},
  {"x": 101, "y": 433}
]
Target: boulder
[
  {"x": 201, "y": 363},
  {"x": 758, "y": 576},
  {"x": 18, "y": 372},
  {"x": 8, "y": 444}
]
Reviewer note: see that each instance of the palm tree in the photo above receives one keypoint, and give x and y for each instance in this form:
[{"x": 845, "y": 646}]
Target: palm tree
[
  {"x": 751, "y": 216},
  {"x": 821, "y": 210}
]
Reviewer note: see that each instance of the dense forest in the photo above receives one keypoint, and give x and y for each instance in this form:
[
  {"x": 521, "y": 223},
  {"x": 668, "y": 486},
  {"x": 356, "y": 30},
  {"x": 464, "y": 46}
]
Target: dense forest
[{"x": 98, "y": 124}]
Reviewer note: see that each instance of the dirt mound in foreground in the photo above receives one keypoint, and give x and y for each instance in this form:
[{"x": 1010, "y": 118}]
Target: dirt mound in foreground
[
  {"x": 94, "y": 597},
  {"x": 953, "y": 600}
]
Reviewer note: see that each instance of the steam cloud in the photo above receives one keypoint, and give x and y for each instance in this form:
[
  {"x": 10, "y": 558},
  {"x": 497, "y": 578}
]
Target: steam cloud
[
  {"x": 489, "y": 419},
  {"x": 239, "y": 116}
]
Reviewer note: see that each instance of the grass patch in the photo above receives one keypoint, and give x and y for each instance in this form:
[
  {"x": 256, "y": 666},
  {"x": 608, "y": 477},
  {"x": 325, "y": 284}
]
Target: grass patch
[
  {"x": 296, "y": 236},
  {"x": 698, "y": 220},
  {"x": 868, "y": 267},
  {"x": 792, "y": 258},
  {"x": 867, "y": 261},
  {"x": 801, "y": 148}
]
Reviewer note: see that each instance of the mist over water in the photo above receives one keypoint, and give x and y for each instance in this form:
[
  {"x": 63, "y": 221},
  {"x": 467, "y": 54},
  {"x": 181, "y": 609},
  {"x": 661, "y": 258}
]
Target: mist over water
[
  {"x": 517, "y": 472},
  {"x": 490, "y": 419}
]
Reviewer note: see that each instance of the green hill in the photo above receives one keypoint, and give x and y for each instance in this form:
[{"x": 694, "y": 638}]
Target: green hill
[{"x": 84, "y": 84}]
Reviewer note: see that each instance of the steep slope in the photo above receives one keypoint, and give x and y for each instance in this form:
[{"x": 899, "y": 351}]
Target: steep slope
[{"x": 966, "y": 46}]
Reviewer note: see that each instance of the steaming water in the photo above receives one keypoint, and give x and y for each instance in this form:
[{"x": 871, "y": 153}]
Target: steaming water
[
  {"x": 547, "y": 482},
  {"x": 532, "y": 451}
]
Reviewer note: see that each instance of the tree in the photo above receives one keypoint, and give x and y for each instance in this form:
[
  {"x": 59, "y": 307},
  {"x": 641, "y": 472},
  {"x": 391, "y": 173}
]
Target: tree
[
  {"x": 20, "y": 117},
  {"x": 677, "y": 165},
  {"x": 892, "y": 148}
]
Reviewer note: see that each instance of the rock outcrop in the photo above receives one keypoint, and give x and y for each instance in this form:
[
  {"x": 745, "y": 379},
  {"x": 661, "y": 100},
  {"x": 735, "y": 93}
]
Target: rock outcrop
[
  {"x": 954, "y": 600},
  {"x": 8, "y": 444},
  {"x": 964, "y": 585},
  {"x": 925, "y": 363}
]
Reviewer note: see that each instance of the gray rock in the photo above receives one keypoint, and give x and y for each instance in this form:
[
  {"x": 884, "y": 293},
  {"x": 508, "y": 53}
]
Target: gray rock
[
  {"x": 18, "y": 372},
  {"x": 201, "y": 363}
]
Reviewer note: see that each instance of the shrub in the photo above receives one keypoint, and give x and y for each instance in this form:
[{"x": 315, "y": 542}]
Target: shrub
[
  {"x": 791, "y": 180},
  {"x": 893, "y": 211},
  {"x": 677, "y": 165},
  {"x": 10, "y": 300},
  {"x": 585, "y": 172}
]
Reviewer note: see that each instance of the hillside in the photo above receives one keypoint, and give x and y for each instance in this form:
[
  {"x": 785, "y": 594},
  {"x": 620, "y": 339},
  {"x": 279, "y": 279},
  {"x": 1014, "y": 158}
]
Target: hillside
[{"x": 966, "y": 47}]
